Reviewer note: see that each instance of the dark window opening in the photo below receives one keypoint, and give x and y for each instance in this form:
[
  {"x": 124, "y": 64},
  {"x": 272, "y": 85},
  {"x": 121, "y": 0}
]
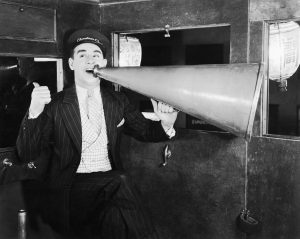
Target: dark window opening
[{"x": 16, "y": 77}]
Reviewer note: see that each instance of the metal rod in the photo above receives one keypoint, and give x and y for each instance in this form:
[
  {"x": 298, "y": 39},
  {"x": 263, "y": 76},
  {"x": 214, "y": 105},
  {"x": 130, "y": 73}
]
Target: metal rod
[
  {"x": 22, "y": 224},
  {"x": 122, "y": 2},
  {"x": 246, "y": 177}
]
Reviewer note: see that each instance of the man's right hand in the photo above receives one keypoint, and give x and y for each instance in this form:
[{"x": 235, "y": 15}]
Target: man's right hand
[{"x": 40, "y": 96}]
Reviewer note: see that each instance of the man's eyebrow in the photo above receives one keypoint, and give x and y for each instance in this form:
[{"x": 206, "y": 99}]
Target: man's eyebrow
[
  {"x": 98, "y": 51},
  {"x": 79, "y": 51}
]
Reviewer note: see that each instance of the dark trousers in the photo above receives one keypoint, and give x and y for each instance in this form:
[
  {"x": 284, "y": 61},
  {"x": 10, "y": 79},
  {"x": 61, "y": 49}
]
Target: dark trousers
[{"x": 105, "y": 205}]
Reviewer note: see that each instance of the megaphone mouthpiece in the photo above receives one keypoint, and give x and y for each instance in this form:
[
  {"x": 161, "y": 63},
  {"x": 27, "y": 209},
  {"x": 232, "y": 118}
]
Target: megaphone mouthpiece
[{"x": 96, "y": 71}]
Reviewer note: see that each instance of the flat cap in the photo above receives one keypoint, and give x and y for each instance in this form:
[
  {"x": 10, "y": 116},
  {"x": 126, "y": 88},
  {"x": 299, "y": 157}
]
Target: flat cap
[{"x": 88, "y": 36}]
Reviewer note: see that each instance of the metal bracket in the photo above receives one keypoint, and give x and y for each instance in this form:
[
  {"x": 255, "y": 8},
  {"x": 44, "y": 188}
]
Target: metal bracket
[{"x": 166, "y": 155}]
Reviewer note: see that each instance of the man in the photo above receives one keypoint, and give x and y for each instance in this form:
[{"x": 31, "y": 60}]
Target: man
[{"x": 73, "y": 139}]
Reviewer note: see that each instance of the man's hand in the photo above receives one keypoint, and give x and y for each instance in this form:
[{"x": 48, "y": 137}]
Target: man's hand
[
  {"x": 166, "y": 113},
  {"x": 40, "y": 96}
]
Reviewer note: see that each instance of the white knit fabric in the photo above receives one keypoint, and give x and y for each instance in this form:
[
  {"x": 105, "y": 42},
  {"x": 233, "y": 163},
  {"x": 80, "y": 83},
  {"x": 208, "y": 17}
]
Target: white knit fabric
[{"x": 94, "y": 154}]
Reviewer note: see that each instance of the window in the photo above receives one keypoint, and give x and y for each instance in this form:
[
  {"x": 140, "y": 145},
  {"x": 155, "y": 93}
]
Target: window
[
  {"x": 284, "y": 78},
  {"x": 16, "y": 77}
]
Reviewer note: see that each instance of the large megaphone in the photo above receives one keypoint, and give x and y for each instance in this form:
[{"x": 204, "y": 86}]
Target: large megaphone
[{"x": 223, "y": 95}]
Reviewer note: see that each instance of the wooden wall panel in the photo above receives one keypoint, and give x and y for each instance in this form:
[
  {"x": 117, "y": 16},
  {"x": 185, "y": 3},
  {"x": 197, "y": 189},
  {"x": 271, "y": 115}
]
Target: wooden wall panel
[
  {"x": 37, "y": 26},
  {"x": 27, "y": 48},
  {"x": 24, "y": 22},
  {"x": 274, "y": 186},
  {"x": 32, "y": 31},
  {"x": 274, "y": 9},
  {"x": 201, "y": 190},
  {"x": 155, "y": 14},
  {"x": 36, "y": 3}
]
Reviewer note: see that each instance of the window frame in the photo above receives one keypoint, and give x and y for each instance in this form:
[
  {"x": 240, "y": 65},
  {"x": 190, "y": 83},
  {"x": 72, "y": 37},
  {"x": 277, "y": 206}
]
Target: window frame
[{"x": 265, "y": 86}]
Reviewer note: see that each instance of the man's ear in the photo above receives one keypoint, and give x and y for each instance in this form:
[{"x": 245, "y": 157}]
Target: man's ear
[
  {"x": 71, "y": 63},
  {"x": 104, "y": 63}
]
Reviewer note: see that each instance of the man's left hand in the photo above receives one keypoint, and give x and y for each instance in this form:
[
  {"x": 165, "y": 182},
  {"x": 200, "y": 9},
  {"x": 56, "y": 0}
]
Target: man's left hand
[{"x": 166, "y": 113}]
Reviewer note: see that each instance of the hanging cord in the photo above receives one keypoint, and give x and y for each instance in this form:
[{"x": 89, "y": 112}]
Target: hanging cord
[
  {"x": 244, "y": 221},
  {"x": 246, "y": 178}
]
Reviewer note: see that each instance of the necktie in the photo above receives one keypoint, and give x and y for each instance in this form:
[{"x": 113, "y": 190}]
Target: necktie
[{"x": 93, "y": 111}]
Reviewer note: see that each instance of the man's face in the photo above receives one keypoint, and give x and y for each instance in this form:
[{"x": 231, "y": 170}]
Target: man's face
[{"x": 85, "y": 57}]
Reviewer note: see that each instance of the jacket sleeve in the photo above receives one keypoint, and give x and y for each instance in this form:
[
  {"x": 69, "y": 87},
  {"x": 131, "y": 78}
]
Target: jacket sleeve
[{"x": 33, "y": 141}]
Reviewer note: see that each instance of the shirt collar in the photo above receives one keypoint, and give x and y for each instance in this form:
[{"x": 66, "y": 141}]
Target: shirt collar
[{"x": 82, "y": 92}]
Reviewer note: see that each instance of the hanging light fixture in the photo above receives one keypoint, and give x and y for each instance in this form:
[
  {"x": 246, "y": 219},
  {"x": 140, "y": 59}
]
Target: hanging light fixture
[{"x": 284, "y": 49}]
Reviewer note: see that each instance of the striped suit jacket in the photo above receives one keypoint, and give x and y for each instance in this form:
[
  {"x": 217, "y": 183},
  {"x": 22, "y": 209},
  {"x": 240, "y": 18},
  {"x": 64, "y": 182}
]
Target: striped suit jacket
[{"x": 53, "y": 142}]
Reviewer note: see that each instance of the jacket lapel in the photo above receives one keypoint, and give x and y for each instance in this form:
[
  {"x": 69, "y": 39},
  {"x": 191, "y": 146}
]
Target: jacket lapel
[
  {"x": 71, "y": 116},
  {"x": 108, "y": 113}
]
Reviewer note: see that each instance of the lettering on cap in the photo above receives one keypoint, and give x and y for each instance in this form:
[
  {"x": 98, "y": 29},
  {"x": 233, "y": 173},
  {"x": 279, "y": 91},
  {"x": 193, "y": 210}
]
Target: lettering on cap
[{"x": 90, "y": 39}]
